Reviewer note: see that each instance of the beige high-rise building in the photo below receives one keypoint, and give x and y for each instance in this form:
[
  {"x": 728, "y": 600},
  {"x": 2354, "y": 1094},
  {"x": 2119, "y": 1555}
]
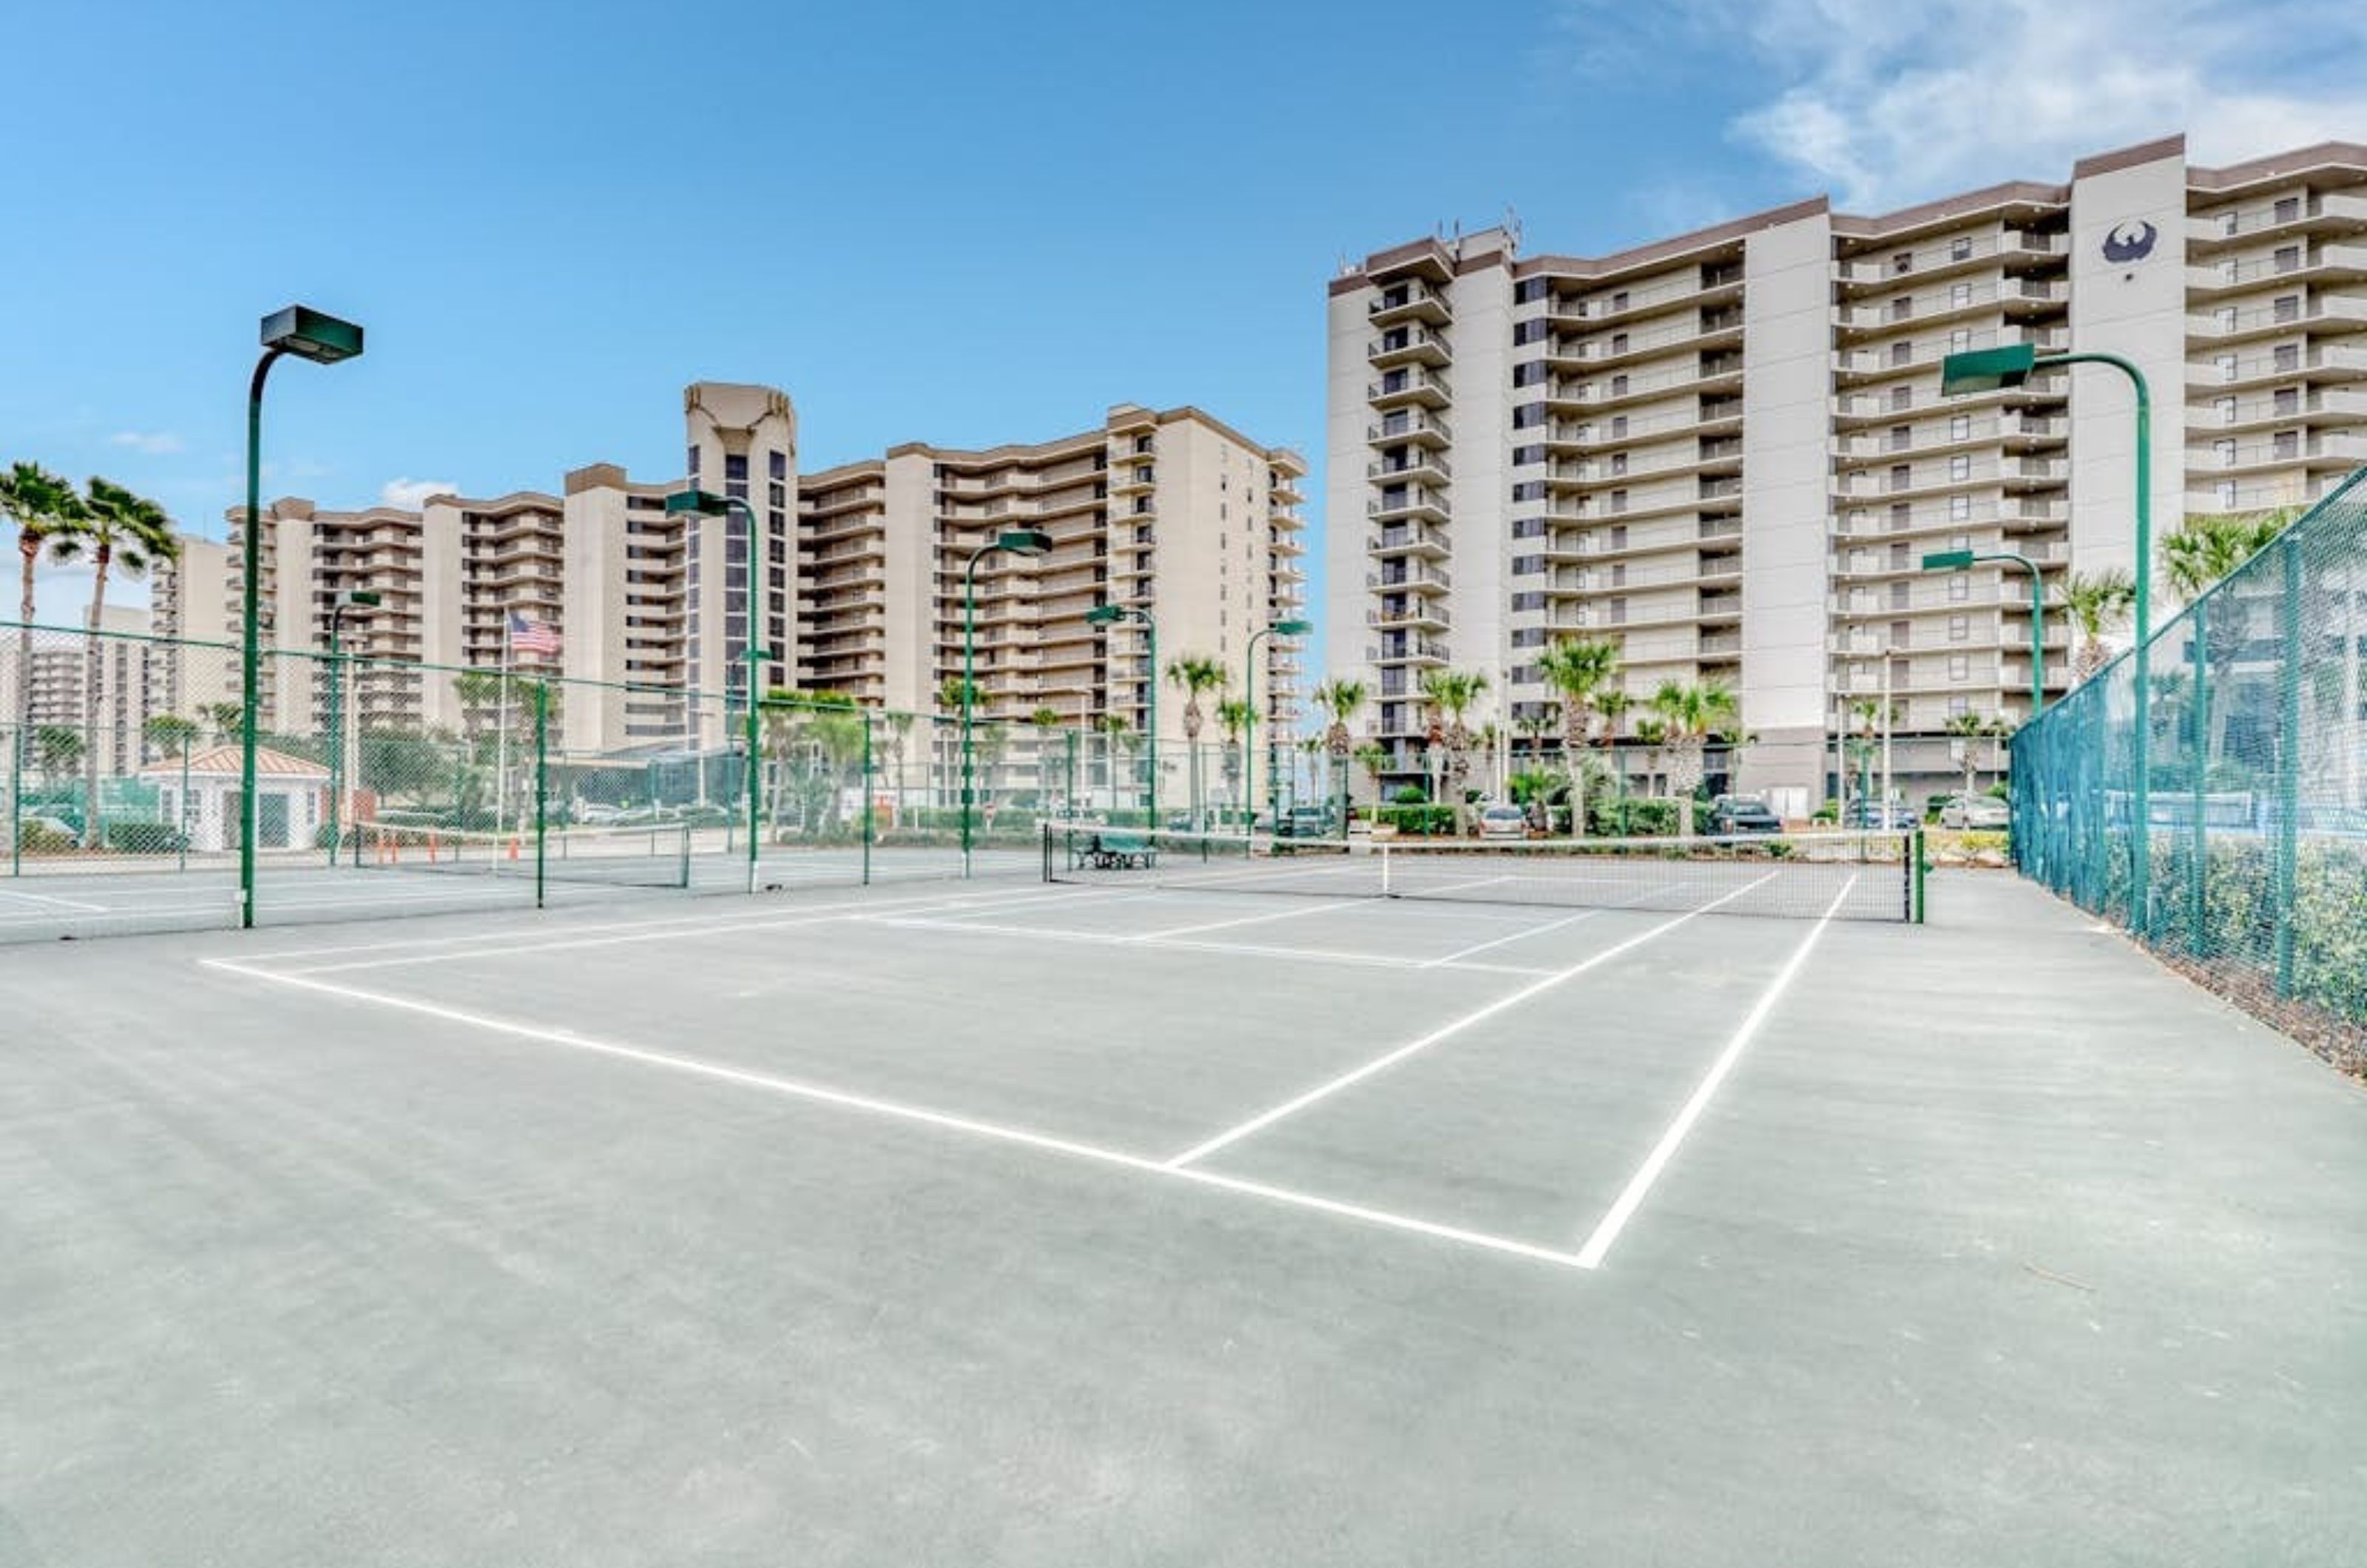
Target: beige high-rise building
[
  {"x": 849, "y": 581},
  {"x": 1172, "y": 512},
  {"x": 105, "y": 707},
  {"x": 1728, "y": 451}
]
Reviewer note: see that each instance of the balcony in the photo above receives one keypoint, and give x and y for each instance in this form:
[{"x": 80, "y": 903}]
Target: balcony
[
  {"x": 2318, "y": 314},
  {"x": 1407, "y": 386},
  {"x": 1567, "y": 396},
  {"x": 1414, "y": 575},
  {"x": 2333, "y": 213},
  {"x": 1870, "y": 365},
  {"x": 1422, "y": 466},
  {"x": 1711, "y": 329},
  {"x": 2328, "y": 449},
  {"x": 1704, "y": 285},
  {"x": 1425, "y": 615},
  {"x": 2335, "y": 405},
  {"x": 1407, "y": 539},
  {"x": 1407, "y": 651},
  {"x": 2322, "y": 265},
  {"x": 1132, "y": 477},
  {"x": 1409, "y": 346},
  {"x": 1412, "y": 300},
  {"x": 2014, "y": 249},
  {"x": 2287, "y": 361},
  {"x": 1408, "y": 504}
]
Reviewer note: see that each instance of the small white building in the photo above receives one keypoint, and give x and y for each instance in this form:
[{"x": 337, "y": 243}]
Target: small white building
[{"x": 291, "y": 797}]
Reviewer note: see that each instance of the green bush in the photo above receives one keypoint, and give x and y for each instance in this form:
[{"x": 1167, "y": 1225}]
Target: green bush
[
  {"x": 1417, "y": 821},
  {"x": 1632, "y": 819},
  {"x": 1409, "y": 795},
  {"x": 39, "y": 838},
  {"x": 1828, "y": 812}
]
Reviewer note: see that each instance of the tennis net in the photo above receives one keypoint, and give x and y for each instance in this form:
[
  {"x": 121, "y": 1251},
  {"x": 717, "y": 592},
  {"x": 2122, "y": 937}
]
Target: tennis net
[
  {"x": 1857, "y": 876},
  {"x": 653, "y": 855}
]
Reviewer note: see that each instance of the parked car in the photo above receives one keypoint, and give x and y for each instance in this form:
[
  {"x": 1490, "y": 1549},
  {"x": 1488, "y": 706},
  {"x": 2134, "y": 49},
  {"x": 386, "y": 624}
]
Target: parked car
[
  {"x": 1730, "y": 814},
  {"x": 594, "y": 814},
  {"x": 1975, "y": 811},
  {"x": 1500, "y": 821},
  {"x": 1872, "y": 814}
]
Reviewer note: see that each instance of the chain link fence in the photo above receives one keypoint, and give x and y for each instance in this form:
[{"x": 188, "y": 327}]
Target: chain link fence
[
  {"x": 387, "y": 786},
  {"x": 2238, "y": 850}
]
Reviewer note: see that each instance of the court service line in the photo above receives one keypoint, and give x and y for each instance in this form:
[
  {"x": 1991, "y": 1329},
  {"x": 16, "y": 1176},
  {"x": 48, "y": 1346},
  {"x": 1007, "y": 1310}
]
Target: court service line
[
  {"x": 1607, "y": 1229},
  {"x": 1109, "y": 938},
  {"x": 871, "y": 1105},
  {"x": 1516, "y": 936},
  {"x": 781, "y": 920},
  {"x": 1448, "y": 1031},
  {"x": 1244, "y": 920},
  {"x": 45, "y": 898}
]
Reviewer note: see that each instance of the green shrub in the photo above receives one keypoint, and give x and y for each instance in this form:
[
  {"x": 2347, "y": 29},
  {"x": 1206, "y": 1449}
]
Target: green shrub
[
  {"x": 1647, "y": 819},
  {"x": 148, "y": 838},
  {"x": 39, "y": 838},
  {"x": 1417, "y": 821},
  {"x": 1409, "y": 795}
]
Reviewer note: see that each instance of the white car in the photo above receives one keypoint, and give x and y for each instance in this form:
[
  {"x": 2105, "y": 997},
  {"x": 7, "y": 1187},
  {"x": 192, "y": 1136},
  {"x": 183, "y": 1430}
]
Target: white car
[
  {"x": 1979, "y": 812},
  {"x": 1503, "y": 822}
]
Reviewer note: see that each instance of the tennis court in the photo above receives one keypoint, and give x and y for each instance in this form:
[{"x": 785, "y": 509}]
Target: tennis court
[{"x": 1120, "y": 1222}]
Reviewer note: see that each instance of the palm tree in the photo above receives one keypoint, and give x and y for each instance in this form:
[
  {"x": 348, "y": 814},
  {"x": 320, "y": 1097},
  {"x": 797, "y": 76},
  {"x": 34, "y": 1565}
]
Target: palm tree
[
  {"x": 1374, "y": 758},
  {"x": 170, "y": 734},
  {"x": 1968, "y": 728},
  {"x": 1450, "y": 693},
  {"x": 1653, "y": 734},
  {"x": 225, "y": 719},
  {"x": 39, "y": 504},
  {"x": 1690, "y": 714},
  {"x": 1340, "y": 697},
  {"x": 1045, "y": 719},
  {"x": 1581, "y": 671},
  {"x": 2097, "y": 604},
  {"x": 1235, "y": 716},
  {"x": 2203, "y": 552},
  {"x": 115, "y": 530},
  {"x": 57, "y": 748},
  {"x": 1195, "y": 674},
  {"x": 1869, "y": 712}
]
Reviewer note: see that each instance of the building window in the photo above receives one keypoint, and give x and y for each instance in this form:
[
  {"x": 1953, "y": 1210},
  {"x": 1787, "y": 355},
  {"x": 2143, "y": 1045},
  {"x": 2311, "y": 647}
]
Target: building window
[
  {"x": 1960, "y": 588},
  {"x": 1960, "y": 541},
  {"x": 1960, "y": 427},
  {"x": 1902, "y": 354},
  {"x": 1529, "y": 291},
  {"x": 1961, "y": 248},
  {"x": 1959, "y": 707},
  {"x": 2288, "y": 258},
  {"x": 2287, "y": 308},
  {"x": 735, "y": 468},
  {"x": 1960, "y": 627},
  {"x": 1529, "y": 601},
  {"x": 1529, "y": 528},
  {"x": 1528, "y": 637},
  {"x": 1960, "y": 667},
  {"x": 1960, "y": 507},
  {"x": 1523, "y": 455},
  {"x": 1960, "y": 467},
  {"x": 1531, "y": 330},
  {"x": 2224, "y": 450},
  {"x": 1528, "y": 566},
  {"x": 1960, "y": 294},
  {"x": 1529, "y": 374},
  {"x": 777, "y": 464},
  {"x": 1528, "y": 416},
  {"x": 1901, "y": 398},
  {"x": 1960, "y": 340}
]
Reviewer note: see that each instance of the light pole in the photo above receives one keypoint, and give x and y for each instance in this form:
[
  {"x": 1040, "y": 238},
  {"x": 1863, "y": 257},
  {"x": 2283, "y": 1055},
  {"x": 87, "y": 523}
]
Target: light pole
[
  {"x": 1016, "y": 542},
  {"x": 707, "y": 503},
  {"x": 1991, "y": 369},
  {"x": 1249, "y": 695},
  {"x": 347, "y": 599},
  {"x": 1110, "y": 615},
  {"x": 324, "y": 340},
  {"x": 1958, "y": 560}
]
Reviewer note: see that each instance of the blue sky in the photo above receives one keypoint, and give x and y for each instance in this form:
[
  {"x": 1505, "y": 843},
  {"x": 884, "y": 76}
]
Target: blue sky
[{"x": 960, "y": 223}]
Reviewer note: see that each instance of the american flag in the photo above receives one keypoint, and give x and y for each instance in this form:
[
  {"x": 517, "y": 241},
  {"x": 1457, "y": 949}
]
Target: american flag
[{"x": 531, "y": 635}]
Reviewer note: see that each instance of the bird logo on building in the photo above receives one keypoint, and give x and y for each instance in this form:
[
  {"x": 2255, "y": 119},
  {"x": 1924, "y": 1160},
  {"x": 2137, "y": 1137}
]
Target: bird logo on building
[{"x": 2130, "y": 241}]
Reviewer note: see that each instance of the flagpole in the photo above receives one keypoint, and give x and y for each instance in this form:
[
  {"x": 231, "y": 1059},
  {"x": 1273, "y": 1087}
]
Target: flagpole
[{"x": 502, "y": 737}]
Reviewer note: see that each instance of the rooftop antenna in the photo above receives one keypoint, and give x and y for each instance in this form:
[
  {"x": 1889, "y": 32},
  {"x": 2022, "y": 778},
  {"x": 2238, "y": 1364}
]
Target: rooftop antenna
[{"x": 1513, "y": 224}]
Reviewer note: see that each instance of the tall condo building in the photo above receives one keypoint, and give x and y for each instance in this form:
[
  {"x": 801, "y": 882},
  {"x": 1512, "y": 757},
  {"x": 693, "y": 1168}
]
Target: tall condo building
[
  {"x": 848, "y": 580},
  {"x": 1170, "y": 512},
  {"x": 1728, "y": 453}
]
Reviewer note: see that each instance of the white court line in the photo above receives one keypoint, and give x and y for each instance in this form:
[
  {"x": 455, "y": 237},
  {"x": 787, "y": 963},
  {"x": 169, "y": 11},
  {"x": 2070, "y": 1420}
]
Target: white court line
[
  {"x": 45, "y": 898},
  {"x": 1446, "y": 1032},
  {"x": 1109, "y": 938},
  {"x": 895, "y": 1111},
  {"x": 1516, "y": 936},
  {"x": 780, "y": 920},
  {"x": 1244, "y": 920},
  {"x": 1632, "y": 1196}
]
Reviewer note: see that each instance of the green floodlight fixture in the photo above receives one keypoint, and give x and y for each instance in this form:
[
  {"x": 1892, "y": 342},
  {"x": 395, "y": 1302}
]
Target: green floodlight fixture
[
  {"x": 696, "y": 503},
  {"x": 1987, "y": 369},
  {"x": 1291, "y": 628},
  {"x": 1104, "y": 614},
  {"x": 312, "y": 335},
  {"x": 1024, "y": 542},
  {"x": 1948, "y": 560}
]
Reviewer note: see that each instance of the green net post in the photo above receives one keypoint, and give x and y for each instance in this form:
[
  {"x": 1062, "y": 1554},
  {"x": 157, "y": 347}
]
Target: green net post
[
  {"x": 181, "y": 833},
  {"x": 1915, "y": 877},
  {"x": 17, "y": 804},
  {"x": 2288, "y": 843},
  {"x": 870, "y": 795},
  {"x": 541, "y": 780}
]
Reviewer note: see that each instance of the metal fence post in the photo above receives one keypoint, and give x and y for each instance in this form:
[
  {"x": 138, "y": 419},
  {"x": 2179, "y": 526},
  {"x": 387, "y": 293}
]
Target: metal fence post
[
  {"x": 542, "y": 780},
  {"x": 2288, "y": 767},
  {"x": 870, "y": 795}
]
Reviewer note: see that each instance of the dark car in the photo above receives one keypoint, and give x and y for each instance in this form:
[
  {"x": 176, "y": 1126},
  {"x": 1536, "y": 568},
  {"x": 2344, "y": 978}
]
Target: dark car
[{"x": 1742, "y": 814}]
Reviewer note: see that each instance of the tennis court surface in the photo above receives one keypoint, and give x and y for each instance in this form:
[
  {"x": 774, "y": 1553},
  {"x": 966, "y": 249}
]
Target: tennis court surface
[{"x": 1111, "y": 1222}]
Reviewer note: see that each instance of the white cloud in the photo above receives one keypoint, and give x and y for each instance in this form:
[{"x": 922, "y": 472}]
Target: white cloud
[
  {"x": 410, "y": 493},
  {"x": 152, "y": 442},
  {"x": 1889, "y": 102}
]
